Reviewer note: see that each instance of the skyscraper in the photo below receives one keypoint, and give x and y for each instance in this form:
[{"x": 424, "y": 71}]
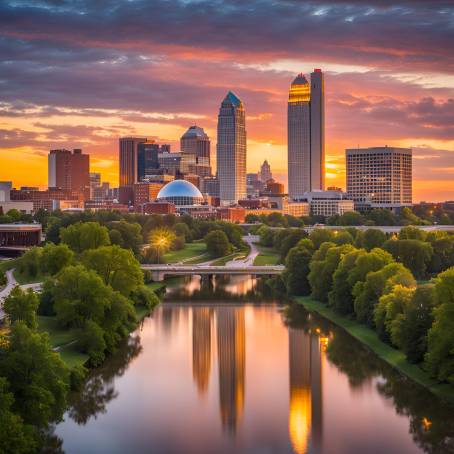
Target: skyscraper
[
  {"x": 69, "y": 170},
  {"x": 265, "y": 172},
  {"x": 306, "y": 135},
  {"x": 195, "y": 141},
  {"x": 379, "y": 177},
  {"x": 128, "y": 161},
  {"x": 231, "y": 150},
  {"x": 147, "y": 157}
]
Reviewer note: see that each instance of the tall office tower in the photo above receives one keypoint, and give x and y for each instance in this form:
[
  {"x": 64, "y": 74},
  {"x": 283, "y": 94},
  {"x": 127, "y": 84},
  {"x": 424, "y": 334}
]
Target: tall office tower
[
  {"x": 128, "y": 171},
  {"x": 195, "y": 141},
  {"x": 95, "y": 182},
  {"x": 306, "y": 135},
  {"x": 69, "y": 171},
  {"x": 231, "y": 150},
  {"x": 147, "y": 158},
  {"x": 379, "y": 177},
  {"x": 265, "y": 172}
]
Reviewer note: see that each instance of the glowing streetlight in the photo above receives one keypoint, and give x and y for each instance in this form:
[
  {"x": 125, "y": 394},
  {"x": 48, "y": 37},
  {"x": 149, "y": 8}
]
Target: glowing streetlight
[{"x": 161, "y": 240}]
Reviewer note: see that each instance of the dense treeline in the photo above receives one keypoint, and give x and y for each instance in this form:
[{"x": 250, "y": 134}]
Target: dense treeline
[
  {"x": 401, "y": 286},
  {"x": 91, "y": 287},
  {"x": 416, "y": 215}
]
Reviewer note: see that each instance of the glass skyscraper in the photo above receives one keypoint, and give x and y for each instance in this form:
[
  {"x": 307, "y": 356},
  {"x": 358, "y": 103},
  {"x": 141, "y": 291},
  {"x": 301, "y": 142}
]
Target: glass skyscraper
[
  {"x": 306, "y": 135},
  {"x": 231, "y": 150}
]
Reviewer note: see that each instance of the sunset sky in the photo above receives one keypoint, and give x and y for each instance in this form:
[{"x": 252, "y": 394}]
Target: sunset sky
[{"x": 81, "y": 73}]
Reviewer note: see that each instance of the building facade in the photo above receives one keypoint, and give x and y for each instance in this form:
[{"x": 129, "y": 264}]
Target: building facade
[
  {"x": 329, "y": 203},
  {"x": 265, "y": 172},
  {"x": 379, "y": 177},
  {"x": 69, "y": 170},
  {"x": 147, "y": 157},
  {"x": 305, "y": 135},
  {"x": 231, "y": 150},
  {"x": 196, "y": 142}
]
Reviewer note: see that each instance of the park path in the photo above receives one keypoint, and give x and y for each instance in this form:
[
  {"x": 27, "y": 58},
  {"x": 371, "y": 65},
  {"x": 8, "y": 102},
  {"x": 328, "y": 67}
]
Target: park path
[{"x": 253, "y": 253}]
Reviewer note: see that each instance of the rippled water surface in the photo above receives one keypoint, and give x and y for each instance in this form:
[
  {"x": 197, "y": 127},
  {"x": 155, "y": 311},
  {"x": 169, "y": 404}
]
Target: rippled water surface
[{"x": 219, "y": 368}]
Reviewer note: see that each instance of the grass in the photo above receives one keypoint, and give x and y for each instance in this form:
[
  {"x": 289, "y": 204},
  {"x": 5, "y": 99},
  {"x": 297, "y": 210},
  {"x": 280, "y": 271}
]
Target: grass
[
  {"x": 190, "y": 251},
  {"x": 223, "y": 260},
  {"x": 369, "y": 337},
  {"x": 24, "y": 278},
  {"x": 64, "y": 339},
  {"x": 267, "y": 256}
]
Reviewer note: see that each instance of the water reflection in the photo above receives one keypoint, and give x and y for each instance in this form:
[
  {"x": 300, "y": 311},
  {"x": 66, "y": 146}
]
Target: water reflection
[
  {"x": 209, "y": 375},
  {"x": 232, "y": 363},
  {"x": 201, "y": 347}
]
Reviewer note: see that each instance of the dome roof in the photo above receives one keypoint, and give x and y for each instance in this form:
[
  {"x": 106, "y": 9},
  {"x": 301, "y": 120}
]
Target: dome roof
[
  {"x": 194, "y": 131},
  {"x": 179, "y": 188}
]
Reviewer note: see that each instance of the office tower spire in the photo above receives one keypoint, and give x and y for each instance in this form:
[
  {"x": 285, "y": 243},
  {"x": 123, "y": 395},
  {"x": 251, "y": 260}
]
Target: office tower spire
[
  {"x": 306, "y": 142},
  {"x": 231, "y": 150}
]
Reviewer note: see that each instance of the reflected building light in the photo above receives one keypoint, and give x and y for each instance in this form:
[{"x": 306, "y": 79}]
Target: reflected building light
[
  {"x": 305, "y": 406},
  {"x": 201, "y": 347},
  {"x": 231, "y": 340}
]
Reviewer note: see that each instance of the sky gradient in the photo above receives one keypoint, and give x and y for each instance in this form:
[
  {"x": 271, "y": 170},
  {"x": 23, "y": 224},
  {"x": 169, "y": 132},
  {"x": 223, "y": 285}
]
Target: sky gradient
[{"x": 79, "y": 74}]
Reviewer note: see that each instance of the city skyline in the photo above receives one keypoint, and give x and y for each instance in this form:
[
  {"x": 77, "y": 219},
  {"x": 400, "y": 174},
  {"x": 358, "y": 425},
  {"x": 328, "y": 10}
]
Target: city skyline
[{"x": 384, "y": 90}]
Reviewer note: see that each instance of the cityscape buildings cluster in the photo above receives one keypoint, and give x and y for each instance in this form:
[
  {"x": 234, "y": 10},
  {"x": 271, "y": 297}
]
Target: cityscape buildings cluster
[{"x": 155, "y": 179}]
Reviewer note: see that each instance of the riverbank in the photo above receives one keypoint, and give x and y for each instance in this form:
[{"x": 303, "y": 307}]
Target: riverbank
[{"x": 370, "y": 339}]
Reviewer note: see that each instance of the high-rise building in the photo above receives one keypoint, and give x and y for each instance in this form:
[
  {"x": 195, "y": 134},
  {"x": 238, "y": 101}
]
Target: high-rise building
[
  {"x": 128, "y": 171},
  {"x": 69, "y": 171},
  {"x": 231, "y": 150},
  {"x": 265, "y": 172},
  {"x": 95, "y": 182},
  {"x": 196, "y": 142},
  {"x": 147, "y": 158},
  {"x": 306, "y": 135},
  {"x": 379, "y": 177}
]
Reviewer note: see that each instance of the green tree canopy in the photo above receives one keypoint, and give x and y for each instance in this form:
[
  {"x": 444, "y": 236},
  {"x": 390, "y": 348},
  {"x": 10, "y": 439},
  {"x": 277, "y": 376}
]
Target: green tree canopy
[
  {"x": 297, "y": 268},
  {"x": 85, "y": 235},
  {"x": 131, "y": 234},
  {"x": 372, "y": 238},
  {"x": 38, "y": 377},
  {"x": 416, "y": 255},
  {"x": 55, "y": 258},
  {"x": 21, "y": 305},
  {"x": 117, "y": 267},
  {"x": 217, "y": 243},
  {"x": 319, "y": 236}
]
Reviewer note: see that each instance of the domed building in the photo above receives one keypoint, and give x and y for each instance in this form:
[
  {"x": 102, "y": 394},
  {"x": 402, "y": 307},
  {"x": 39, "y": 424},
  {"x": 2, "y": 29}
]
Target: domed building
[{"x": 181, "y": 193}]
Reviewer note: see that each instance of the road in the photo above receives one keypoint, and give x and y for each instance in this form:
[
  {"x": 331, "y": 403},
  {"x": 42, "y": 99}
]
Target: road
[{"x": 253, "y": 253}]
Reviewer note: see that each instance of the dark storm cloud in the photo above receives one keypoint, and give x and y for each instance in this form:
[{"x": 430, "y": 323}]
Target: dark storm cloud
[{"x": 407, "y": 34}]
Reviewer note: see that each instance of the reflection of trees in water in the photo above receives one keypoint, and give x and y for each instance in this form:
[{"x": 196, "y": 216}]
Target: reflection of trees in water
[
  {"x": 99, "y": 388},
  {"x": 221, "y": 287},
  {"x": 431, "y": 421}
]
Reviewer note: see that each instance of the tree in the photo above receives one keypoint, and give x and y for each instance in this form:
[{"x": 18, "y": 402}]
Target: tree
[
  {"x": 340, "y": 297},
  {"x": 411, "y": 233},
  {"x": 322, "y": 270},
  {"x": 292, "y": 238},
  {"x": 29, "y": 263},
  {"x": 37, "y": 376},
  {"x": 439, "y": 358},
  {"x": 144, "y": 296},
  {"x": 319, "y": 236},
  {"x": 22, "y": 305},
  {"x": 443, "y": 247},
  {"x": 14, "y": 214},
  {"x": 15, "y": 436},
  {"x": 343, "y": 237},
  {"x": 217, "y": 243},
  {"x": 410, "y": 330},
  {"x": 117, "y": 267},
  {"x": 85, "y": 235},
  {"x": 131, "y": 234},
  {"x": 414, "y": 254},
  {"x": 182, "y": 230},
  {"x": 373, "y": 238},
  {"x": 161, "y": 240},
  {"x": 277, "y": 220},
  {"x": 350, "y": 218},
  {"x": 266, "y": 236},
  {"x": 91, "y": 341},
  {"x": 297, "y": 268},
  {"x": 388, "y": 313},
  {"x": 79, "y": 295},
  {"x": 55, "y": 258},
  {"x": 115, "y": 237},
  {"x": 367, "y": 293},
  {"x": 381, "y": 216}
]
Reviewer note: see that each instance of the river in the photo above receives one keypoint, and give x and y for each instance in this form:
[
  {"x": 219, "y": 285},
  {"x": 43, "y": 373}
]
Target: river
[{"x": 219, "y": 368}]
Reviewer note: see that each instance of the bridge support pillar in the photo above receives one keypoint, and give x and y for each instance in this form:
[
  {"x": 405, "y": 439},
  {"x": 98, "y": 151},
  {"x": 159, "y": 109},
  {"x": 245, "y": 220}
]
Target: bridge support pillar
[{"x": 157, "y": 276}]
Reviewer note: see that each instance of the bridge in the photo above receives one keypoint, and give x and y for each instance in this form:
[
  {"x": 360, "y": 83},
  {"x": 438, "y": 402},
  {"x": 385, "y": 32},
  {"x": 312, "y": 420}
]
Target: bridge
[{"x": 159, "y": 272}]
